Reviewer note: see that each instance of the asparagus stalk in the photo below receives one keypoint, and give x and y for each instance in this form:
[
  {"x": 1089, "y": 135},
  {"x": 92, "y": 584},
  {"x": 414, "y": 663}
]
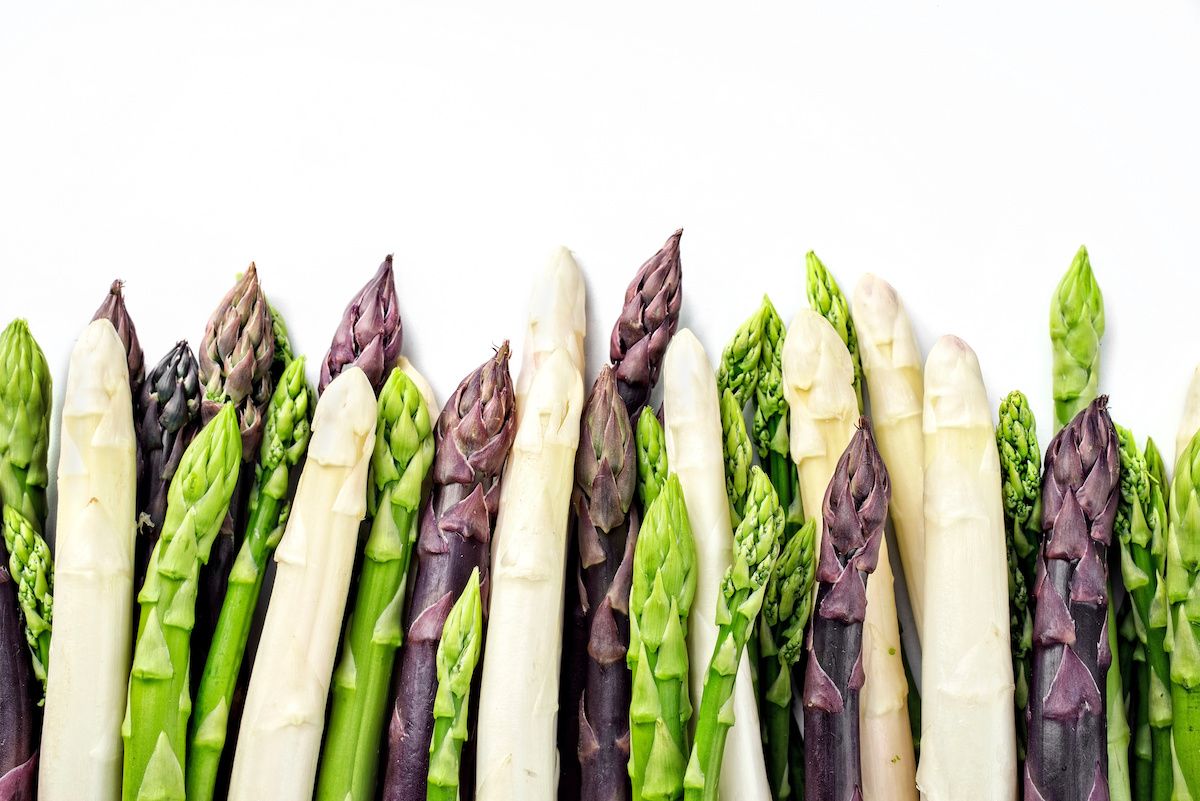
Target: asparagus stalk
[
  {"x": 826, "y": 298},
  {"x": 741, "y": 361},
  {"x": 756, "y": 547},
  {"x": 1067, "y": 756},
  {"x": 771, "y": 426},
  {"x": 1138, "y": 528},
  {"x": 966, "y": 681},
  {"x": 693, "y": 437},
  {"x": 97, "y": 492},
  {"x": 156, "y": 718},
  {"x": 651, "y": 458},
  {"x": 1076, "y": 327},
  {"x": 854, "y": 512},
  {"x": 370, "y": 332},
  {"x": 1183, "y": 566},
  {"x": 648, "y": 320},
  {"x": 738, "y": 455},
  {"x": 113, "y": 309},
  {"x": 1158, "y": 713},
  {"x": 457, "y": 656},
  {"x": 25, "y": 396},
  {"x": 18, "y": 702},
  {"x": 1021, "y": 470},
  {"x": 285, "y": 438},
  {"x": 280, "y": 735},
  {"x": 665, "y": 566},
  {"x": 399, "y": 466},
  {"x": 170, "y": 409},
  {"x": 472, "y": 440},
  {"x": 891, "y": 361},
  {"x": 1189, "y": 421},
  {"x": 517, "y": 727}
]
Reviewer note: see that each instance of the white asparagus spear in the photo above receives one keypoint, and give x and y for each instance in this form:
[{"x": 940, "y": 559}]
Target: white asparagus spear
[
  {"x": 280, "y": 736},
  {"x": 968, "y": 744},
  {"x": 694, "y": 453},
  {"x": 517, "y": 755},
  {"x": 818, "y": 381},
  {"x": 1189, "y": 422},
  {"x": 93, "y": 594},
  {"x": 892, "y": 363}
]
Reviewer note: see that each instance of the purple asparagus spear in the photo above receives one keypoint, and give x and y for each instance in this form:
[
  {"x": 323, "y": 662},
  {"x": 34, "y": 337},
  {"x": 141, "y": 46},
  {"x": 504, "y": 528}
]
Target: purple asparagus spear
[
  {"x": 854, "y": 513},
  {"x": 113, "y": 309},
  {"x": 474, "y": 433},
  {"x": 370, "y": 333},
  {"x": 646, "y": 325},
  {"x": 18, "y": 698},
  {"x": 1067, "y": 758}
]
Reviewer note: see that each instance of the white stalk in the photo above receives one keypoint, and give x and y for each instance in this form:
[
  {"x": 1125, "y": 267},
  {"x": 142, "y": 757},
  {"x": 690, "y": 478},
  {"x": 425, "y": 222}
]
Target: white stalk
[
  {"x": 1189, "y": 423},
  {"x": 695, "y": 454},
  {"x": 891, "y": 361},
  {"x": 517, "y": 755},
  {"x": 968, "y": 743},
  {"x": 423, "y": 386},
  {"x": 280, "y": 736},
  {"x": 818, "y": 381},
  {"x": 556, "y": 319},
  {"x": 93, "y": 589}
]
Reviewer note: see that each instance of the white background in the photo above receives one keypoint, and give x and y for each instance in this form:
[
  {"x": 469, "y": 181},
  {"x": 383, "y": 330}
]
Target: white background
[{"x": 961, "y": 152}]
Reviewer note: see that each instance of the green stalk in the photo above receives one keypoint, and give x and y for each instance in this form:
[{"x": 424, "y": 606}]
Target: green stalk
[
  {"x": 457, "y": 657},
  {"x": 285, "y": 439},
  {"x": 651, "y": 457},
  {"x": 399, "y": 465},
  {"x": 1076, "y": 327},
  {"x": 1182, "y": 576},
  {"x": 738, "y": 455},
  {"x": 826, "y": 298},
  {"x": 1158, "y": 707},
  {"x": 156, "y": 719}
]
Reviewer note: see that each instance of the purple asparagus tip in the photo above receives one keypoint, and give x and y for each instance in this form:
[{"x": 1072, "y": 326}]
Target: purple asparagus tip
[
  {"x": 370, "y": 333},
  {"x": 647, "y": 322},
  {"x": 113, "y": 309}
]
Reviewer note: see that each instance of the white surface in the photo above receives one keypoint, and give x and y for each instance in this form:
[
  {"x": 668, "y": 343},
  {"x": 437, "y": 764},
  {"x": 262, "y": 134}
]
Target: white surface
[{"x": 940, "y": 145}]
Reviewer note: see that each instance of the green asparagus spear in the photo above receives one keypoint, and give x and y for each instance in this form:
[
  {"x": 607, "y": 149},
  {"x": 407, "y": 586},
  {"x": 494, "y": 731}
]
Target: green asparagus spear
[
  {"x": 739, "y": 368},
  {"x": 457, "y": 657},
  {"x": 771, "y": 419},
  {"x": 651, "y": 457},
  {"x": 1076, "y": 326},
  {"x": 1182, "y": 577},
  {"x": 30, "y": 565},
  {"x": 826, "y": 298},
  {"x": 401, "y": 461},
  {"x": 156, "y": 719},
  {"x": 1157, "y": 687},
  {"x": 738, "y": 454},
  {"x": 664, "y": 585},
  {"x": 285, "y": 439},
  {"x": 755, "y": 548}
]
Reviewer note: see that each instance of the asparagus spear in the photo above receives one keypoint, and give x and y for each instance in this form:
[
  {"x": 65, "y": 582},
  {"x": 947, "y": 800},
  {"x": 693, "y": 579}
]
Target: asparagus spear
[
  {"x": 826, "y": 299},
  {"x": 369, "y": 334},
  {"x": 472, "y": 440},
  {"x": 285, "y": 439},
  {"x": 648, "y": 320},
  {"x": 741, "y": 361},
  {"x": 1137, "y": 527},
  {"x": 755, "y": 549},
  {"x": 738, "y": 455},
  {"x": 651, "y": 458},
  {"x": 1067, "y": 756},
  {"x": 1189, "y": 421},
  {"x": 854, "y": 512},
  {"x": 18, "y": 701},
  {"x": 156, "y": 718},
  {"x": 664, "y": 586},
  {"x": 1157, "y": 685},
  {"x": 1183, "y": 566},
  {"x": 279, "y": 740},
  {"x": 771, "y": 427},
  {"x": 25, "y": 396},
  {"x": 966, "y": 670},
  {"x": 457, "y": 656},
  {"x": 97, "y": 492},
  {"x": 1076, "y": 327},
  {"x": 1021, "y": 471},
  {"x": 399, "y": 466},
  {"x": 170, "y": 410},
  {"x": 113, "y": 309}
]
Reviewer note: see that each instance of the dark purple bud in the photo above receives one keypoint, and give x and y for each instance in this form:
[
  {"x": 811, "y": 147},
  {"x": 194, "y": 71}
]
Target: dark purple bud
[{"x": 370, "y": 333}]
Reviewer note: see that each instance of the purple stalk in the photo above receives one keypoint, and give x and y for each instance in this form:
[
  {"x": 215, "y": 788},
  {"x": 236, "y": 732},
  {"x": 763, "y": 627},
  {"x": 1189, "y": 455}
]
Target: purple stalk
[
  {"x": 1067, "y": 758},
  {"x": 473, "y": 437},
  {"x": 369, "y": 334},
  {"x": 854, "y": 513},
  {"x": 647, "y": 323},
  {"x": 18, "y": 702}
]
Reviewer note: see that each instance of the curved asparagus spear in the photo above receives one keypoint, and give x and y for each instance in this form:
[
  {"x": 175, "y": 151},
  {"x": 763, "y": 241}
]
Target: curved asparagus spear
[
  {"x": 285, "y": 439},
  {"x": 693, "y": 435},
  {"x": 156, "y": 719},
  {"x": 1138, "y": 529},
  {"x": 370, "y": 332},
  {"x": 648, "y": 320},
  {"x": 457, "y": 656},
  {"x": 113, "y": 309},
  {"x": 1067, "y": 756},
  {"x": 170, "y": 417},
  {"x": 97, "y": 492},
  {"x": 891, "y": 361},
  {"x": 651, "y": 457},
  {"x": 280, "y": 735},
  {"x": 1076, "y": 327},
  {"x": 25, "y": 397},
  {"x": 756, "y": 547},
  {"x": 399, "y": 466},
  {"x": 826, "y": 299},
  {"x": 664, "y": 588},
  {"x": 966, "y": 681},
  {"x": 472, "y": 440},
  {"x": 18, "y": 700}
]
